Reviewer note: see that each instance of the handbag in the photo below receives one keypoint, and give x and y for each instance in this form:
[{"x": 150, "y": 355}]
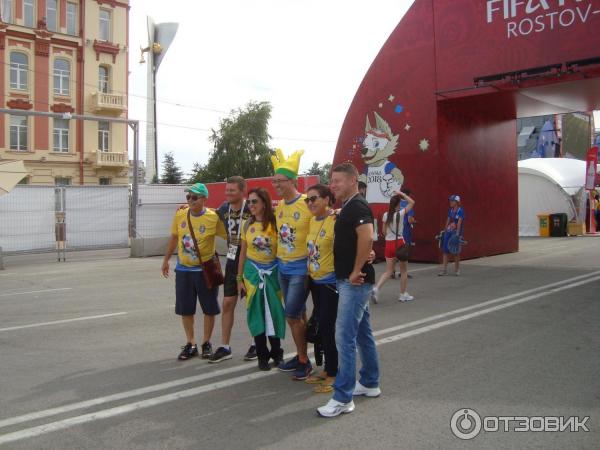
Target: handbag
[
  {"x": 402, "y": 252},
  {"x": 211, "y": 269}
]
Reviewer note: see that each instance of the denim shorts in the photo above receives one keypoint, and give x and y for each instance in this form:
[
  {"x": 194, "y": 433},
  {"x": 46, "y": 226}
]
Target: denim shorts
[
  {"x": 190, "y": 288},
  {"x": 295, "y": 293}
]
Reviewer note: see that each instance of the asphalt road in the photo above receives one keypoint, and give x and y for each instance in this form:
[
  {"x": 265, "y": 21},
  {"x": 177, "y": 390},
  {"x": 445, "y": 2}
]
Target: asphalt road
[{"x": 88, "y": 360}]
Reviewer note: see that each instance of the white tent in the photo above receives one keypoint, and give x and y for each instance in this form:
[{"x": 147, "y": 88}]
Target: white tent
[{"x": 549, "y": 186}]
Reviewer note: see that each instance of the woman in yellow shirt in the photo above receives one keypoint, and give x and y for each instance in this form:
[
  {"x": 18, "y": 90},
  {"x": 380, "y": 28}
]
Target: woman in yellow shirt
[
  {"x": 258, "y": 264},
  {"x": 322, "y": 280}
]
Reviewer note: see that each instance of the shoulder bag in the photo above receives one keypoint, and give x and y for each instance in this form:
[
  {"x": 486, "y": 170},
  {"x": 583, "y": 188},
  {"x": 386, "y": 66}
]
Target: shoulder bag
[{"x": 211, "y": 269}]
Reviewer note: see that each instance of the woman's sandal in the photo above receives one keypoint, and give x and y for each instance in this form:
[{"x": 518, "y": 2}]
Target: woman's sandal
[
  {"x": 324, "y": 388},
  {"x": 315, "y": 379}
]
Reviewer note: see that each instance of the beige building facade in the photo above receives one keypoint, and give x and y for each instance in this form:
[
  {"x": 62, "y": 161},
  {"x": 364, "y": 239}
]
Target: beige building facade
[{"x": 67, "y": 57}]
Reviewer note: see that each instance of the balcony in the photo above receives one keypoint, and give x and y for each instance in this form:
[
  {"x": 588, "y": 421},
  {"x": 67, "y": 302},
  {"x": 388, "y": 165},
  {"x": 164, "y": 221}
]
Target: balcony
[
  {"x": 111, "y": 159},
  {"x": 108, "y": 103}
]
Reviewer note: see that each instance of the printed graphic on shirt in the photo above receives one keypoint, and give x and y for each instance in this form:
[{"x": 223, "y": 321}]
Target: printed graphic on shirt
[
  {"x": 262, "y": 244},
  {"x": 287, "y": 237},
  {"x": 313, "y": 256}
]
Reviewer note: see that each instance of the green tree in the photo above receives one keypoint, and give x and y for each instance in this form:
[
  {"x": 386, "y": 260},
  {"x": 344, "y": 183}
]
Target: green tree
[
  {"x": 171, "y": 173},
  {"x": 322, "y": 171},
  {"x": 240, "y": 146}
]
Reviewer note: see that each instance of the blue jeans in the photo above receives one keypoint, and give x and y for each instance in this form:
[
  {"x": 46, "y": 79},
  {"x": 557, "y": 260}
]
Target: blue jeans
[
  {"x": 352, "y": 329},
  {"x": 295, "y": 293}
]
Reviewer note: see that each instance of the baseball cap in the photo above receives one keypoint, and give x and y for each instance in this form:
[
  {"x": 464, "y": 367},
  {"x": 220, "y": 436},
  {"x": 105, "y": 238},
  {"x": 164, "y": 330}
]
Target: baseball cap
[
  {"x": 198, "y": 188},
  {"x": 454, "y": 198}
]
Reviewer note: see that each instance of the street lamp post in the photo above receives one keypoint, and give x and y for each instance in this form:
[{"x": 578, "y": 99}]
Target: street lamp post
[{"x": 160, "y": 38}]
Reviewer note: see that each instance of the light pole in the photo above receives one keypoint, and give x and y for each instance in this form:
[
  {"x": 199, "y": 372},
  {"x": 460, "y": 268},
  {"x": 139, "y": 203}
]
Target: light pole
[{"x": 160, "y": 38}]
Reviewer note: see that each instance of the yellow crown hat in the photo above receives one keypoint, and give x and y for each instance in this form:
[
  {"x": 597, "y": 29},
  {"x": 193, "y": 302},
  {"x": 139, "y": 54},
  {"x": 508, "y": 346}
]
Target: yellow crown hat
[{"x": 288, "y": 167}]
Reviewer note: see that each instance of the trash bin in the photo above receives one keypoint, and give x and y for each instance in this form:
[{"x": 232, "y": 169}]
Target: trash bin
[
  {"x": 558, "y": 225},
  {"x": 544, "y": 220}
]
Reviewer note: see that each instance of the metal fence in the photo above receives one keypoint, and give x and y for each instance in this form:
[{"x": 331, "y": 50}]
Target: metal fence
[
  {"x": 94, "y": 216},
  {"x": 155, "y": 209}
]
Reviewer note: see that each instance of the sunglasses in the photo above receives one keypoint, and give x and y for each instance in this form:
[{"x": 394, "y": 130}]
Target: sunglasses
[
  {"x": 312, "y": 199},
  {"x": 254, "y": 201},
  {"x": 193, "y": 197}
]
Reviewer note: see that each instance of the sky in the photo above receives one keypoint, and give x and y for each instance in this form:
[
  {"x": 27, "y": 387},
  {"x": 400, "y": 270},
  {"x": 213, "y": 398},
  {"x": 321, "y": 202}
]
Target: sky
[{"x": 306, "y": 57}]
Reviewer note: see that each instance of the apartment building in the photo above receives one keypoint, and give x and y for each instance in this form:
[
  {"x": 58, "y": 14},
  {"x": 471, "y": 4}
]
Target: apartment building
[{"x": 66, "y": 57}]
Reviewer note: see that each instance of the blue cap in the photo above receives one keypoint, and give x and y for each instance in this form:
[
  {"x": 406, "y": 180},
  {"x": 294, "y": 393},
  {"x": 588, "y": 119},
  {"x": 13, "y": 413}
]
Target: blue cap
[{"x": 454, "y": 198}]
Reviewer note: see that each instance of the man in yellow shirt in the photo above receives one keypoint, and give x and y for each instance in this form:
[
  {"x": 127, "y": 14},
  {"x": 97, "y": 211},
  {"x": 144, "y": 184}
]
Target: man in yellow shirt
[
  {"x": 189, "y": 280},
  {"x": 293, "y": 219}
]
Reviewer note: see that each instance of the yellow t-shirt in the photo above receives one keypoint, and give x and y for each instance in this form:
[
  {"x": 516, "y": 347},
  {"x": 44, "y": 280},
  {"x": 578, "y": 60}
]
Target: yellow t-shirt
[
  {"x": 206, "y": 227},
  {"x": 261, "y": 246},
  {"x": 292, "y": 227},
  {"x": 320, "y": 247}
]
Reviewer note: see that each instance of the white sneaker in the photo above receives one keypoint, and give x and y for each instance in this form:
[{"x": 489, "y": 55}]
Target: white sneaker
[
  {"x": 359, "y": 389},
  {"x": 405, "y": 297},
  {"x": 374, "y": 294},
  {"x": 334, "y": 408}
]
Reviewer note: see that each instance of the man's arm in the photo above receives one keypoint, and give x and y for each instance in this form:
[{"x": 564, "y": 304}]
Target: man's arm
[
  {"x": 171, "y": 246},
  {"x": 364, "y": 243}
]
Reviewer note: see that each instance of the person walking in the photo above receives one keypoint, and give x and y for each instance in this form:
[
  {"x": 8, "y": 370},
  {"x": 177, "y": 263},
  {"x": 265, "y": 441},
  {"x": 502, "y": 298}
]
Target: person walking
[
  {"x": 452, "y": 230},
  {"x": 190, "y": 285},
  {"x": 232, "y": 213},
  {"x": 293, "y": 218},
  {"x": 258, "y": 277},
  {"x": 322, "y": 281},
  {"x": 355, "y": 278},
  {"x": 393, "y": 224}
]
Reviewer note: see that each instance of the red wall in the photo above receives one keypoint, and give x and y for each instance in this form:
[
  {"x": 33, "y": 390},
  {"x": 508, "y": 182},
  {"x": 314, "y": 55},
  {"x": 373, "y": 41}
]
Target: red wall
[
  {"x": 470, "y": 133},
  {"x": 217, "y": 190}
]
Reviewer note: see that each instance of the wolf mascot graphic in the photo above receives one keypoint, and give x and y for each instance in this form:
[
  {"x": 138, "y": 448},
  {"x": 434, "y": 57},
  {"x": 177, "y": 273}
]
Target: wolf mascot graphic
[{"x": 381, "y": 176}]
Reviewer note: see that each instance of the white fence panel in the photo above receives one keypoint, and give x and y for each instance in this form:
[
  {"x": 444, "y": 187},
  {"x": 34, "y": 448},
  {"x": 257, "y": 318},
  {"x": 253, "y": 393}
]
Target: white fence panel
[
  {"x": 97, "y": 216},
  {"x": 156, "y": 207},
  {"x": 27, "y": 217}
]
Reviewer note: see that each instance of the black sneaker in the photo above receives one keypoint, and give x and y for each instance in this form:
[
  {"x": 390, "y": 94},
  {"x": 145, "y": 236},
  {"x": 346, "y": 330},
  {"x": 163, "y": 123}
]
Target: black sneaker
[
  {"x": 277, "y": 357},
  {"x": 206, "y": 350},
  {"x": 264, "y": 365},
  {"x": 251, "y": 354},
  {"x": 220, "y": 355},
  {"x": 188, "y": 351}
]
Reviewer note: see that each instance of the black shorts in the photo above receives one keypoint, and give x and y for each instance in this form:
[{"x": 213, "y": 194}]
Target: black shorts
[
  {"x": 191, "y": 287},
  {"x": 230, "y": 285}
]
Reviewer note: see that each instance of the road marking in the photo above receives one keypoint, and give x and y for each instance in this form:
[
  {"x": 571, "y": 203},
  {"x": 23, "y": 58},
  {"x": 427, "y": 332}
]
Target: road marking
[
  {"x": 36, "y": 292},
  {"x": 123, "y": 409},
  {"x": 56, "y": 322},
  {"x": 480, "y": 305}
]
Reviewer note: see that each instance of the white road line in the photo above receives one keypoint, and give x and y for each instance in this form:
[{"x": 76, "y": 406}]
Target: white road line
[
  {"x": 123, "y": 409},
  {"x": 230, "y": 370},
  {"x": 36, "y": 292},
  {"x": 77, "y": 319},
  {"x": 481, "y": 305}
]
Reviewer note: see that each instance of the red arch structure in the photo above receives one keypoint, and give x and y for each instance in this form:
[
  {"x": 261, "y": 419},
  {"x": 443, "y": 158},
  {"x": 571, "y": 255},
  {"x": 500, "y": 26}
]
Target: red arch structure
[{"x": 436, "y": 111}]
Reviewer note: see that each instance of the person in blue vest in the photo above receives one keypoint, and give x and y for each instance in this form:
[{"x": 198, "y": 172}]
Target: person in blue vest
[{"x": 453, "y": 228}]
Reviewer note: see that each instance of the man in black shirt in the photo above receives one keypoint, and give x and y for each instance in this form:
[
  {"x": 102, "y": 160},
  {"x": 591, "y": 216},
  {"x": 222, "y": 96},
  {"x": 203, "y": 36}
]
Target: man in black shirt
[{"x": 355, "y": 278}]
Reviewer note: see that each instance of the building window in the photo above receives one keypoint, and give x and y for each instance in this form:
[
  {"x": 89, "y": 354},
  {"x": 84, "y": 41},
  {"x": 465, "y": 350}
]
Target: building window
[
  {"x": 19, "y": 68},
  {"x": 104, "y": 181},
  {"x": 52, "y": 15},
  {"x": 18, "y": 133},
  {"x": 103, "y": 136},
  {"x": 72, "y": 19},
  {"x": 61, "y": 135},
  {"x": 104, "y": 25},
  {"x": 29, "y": 13},
  {"x": 62, "y": 76},
  {"x": 7, "y": 11},
  {"x": 62, "y": 181},
  {"x": 103, "y": 79}
]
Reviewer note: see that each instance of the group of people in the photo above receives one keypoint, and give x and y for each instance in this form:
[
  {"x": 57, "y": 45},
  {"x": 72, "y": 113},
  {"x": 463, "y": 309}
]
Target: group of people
[
  {"x": 276, "y": 257},
  {"x": 398, "y": 222}
]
